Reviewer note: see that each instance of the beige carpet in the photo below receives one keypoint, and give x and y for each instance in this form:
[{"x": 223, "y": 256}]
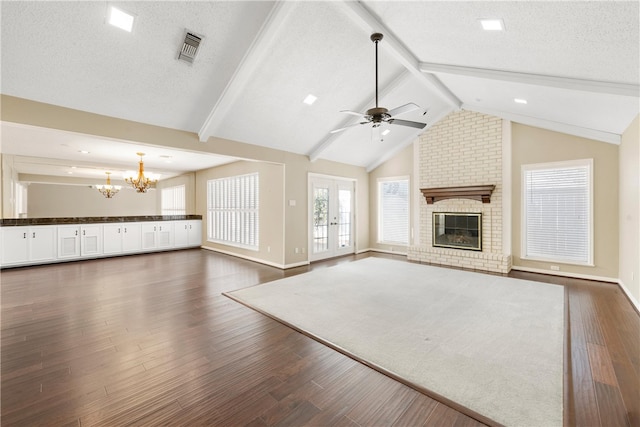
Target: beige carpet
[{"x": 489, "y": 343}]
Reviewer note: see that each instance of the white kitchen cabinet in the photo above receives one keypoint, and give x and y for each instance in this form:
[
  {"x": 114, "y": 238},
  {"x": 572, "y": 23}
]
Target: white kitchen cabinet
[
  {"x": 131, "y": 237},
  {"x": 42, "y": 243},
  {"x": 157, "y": 235},
  {"x": 68, "y": 241},
  {"x": 187, "y": 233},
  {"x": 122, "y": 237},
  {"x": 195, "y": 232},
  {"x": 112, "y": 238},
  {"x": 27, "y": 245},
  {"x": 91, "y": 240},
  {"x": 15, "y": 245}
]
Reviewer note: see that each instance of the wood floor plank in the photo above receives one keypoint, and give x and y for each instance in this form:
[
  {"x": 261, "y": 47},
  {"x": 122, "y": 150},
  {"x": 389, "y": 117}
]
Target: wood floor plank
[
  {"x": 417, "y": 412},
  {"x": 151, "y": 340}
]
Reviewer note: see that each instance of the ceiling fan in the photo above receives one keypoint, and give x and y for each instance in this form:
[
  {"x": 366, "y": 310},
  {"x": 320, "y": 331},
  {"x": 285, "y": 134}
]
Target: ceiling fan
[{"x": 379, "y": 115}]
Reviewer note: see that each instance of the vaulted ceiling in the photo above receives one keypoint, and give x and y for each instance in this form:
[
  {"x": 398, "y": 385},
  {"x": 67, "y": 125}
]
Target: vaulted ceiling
[{"x": 575, "y": 63}]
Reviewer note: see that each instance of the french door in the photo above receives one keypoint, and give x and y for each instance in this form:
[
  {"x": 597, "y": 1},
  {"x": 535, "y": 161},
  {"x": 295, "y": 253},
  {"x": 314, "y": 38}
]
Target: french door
[{"x": 331, "y": 222}]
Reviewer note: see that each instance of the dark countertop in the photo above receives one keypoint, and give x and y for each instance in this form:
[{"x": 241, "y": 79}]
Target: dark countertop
[{"x": 8, "y": 222}]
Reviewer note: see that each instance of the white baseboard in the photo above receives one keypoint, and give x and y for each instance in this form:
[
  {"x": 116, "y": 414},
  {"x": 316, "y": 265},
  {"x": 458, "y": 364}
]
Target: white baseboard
[
  {"x": 566, "y": 274},
  {"x": 616, "y": 281},
  {"x": 384, "y": 251},
  {"x": 629, "y": 296},
  {"x": 296, "y": 264},
  {"x": 248, "y": 258}
]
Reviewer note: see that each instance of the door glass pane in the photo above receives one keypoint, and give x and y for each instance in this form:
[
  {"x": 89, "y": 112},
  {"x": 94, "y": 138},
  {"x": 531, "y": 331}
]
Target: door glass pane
[
  {"x": 320, "y": 219},
  {"x": 344, "y": 218}
]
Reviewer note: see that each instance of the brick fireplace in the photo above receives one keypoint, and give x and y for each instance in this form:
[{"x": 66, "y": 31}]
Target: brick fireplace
[{"x": 462, "y": 152}]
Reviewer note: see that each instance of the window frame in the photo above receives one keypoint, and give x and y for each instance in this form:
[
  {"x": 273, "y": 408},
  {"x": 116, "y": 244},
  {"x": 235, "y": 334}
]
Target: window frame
[
  {"x": 579, "y": 163},
  {"x": 173, "y": 188},
  {"x": 242, "y": 207},
  {"x": 380, "y": 212}
]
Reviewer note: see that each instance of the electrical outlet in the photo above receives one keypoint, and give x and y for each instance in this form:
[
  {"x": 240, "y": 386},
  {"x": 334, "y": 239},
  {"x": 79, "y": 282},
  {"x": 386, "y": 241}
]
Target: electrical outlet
[
  {"x": 269, "y": 249},
  {"x": 555, "y": 267},
  {"x": 297, "y": 250}
]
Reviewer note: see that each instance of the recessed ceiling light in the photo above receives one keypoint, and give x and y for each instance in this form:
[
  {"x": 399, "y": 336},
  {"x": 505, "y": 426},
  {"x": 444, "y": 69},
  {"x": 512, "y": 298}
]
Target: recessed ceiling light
[
  {"x": 310, "y": 99},
  {"x": 519, "y": 101},
  {"x": 493, "y": 24},
  {"x": 121, "y": 19},
  {"x": 83, "y": 152},
  {"x": 386, "y": 132}
]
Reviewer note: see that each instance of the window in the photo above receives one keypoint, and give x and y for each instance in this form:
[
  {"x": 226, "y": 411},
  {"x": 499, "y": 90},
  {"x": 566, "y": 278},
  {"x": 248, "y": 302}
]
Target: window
[
  {"x": 393, "y": 211},
  {"x": 232, "y": 211},
  {"x": 172, "y": 201},
  {"x": 557, "y": 209}
]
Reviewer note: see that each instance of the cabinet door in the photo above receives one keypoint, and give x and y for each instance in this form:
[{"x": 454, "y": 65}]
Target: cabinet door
[
  {"x": 112, "y": 238},
  {"x": 68, "y": 241},
  {"x": 165, "y": 234},
  {"x": 149, "y": 235},
  {"x": 15, "y": 245},
  {"x": 42, "y": 243},
  {"x": 131, "y": 237},
  {"x": 91, "y": 240},
  {"x": 195, "y": 232},
  {"x": 180, "y": 233}
]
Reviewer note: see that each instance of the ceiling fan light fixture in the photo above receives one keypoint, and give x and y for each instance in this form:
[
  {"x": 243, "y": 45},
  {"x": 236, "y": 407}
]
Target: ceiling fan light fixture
[{"x": 377, "y": 115}]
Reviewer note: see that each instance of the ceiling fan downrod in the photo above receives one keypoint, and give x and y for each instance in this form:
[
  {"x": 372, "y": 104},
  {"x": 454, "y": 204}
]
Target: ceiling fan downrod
[{"x": 375, "y": 38}]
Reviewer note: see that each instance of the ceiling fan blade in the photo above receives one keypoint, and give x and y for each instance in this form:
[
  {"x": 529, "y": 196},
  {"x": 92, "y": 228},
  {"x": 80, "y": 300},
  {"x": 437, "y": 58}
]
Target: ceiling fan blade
[
  {"x": 347, "y": 127},
  {"x": 406, "y": 123},
  {"x": 354, "y": 113},
  {"x": 403, "y": 109}
]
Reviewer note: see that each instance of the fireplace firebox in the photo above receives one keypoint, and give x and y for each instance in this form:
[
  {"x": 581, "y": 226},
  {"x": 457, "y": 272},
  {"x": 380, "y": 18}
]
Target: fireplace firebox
[{"x": 457, "y": 230}]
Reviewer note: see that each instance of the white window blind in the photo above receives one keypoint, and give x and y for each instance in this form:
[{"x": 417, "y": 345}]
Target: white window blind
[
  {"x": 557, "y": 223},
  {"x": 172, "y": 200},
  {"x": 393, "y": 211},
  {"x": 233, "y": 211}
]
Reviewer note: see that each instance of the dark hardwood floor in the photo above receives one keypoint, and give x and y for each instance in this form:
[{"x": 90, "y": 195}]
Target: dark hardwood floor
[{"x": 150, "y": 340}]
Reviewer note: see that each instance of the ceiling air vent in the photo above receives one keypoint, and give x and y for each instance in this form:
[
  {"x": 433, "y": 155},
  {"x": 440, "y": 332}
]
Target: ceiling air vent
[{"x": 189, "y": 47}]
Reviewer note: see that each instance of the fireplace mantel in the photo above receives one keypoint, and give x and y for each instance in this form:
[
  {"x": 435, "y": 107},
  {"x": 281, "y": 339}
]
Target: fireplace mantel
[{"x": 474, "y": 192}]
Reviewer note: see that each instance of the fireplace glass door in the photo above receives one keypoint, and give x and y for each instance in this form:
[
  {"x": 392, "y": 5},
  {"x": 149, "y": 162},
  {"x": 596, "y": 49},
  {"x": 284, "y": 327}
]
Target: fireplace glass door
[{"x": 457, "y": 230}]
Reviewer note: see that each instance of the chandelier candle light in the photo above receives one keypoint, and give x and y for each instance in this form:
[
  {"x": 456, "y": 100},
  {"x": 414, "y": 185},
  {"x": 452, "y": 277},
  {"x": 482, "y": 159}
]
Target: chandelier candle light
[
  {"x": 108, "y": 190},
  {"x": 140, "y": 183}
]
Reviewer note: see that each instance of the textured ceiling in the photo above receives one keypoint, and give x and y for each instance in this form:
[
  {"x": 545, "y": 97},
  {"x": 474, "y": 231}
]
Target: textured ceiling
[{"x": 576, "y": 63}]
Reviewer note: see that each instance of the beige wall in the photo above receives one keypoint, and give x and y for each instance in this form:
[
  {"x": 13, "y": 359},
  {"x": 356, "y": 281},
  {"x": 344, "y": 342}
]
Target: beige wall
[
  {"x": 629, "y": 158},
  {"x": 55, "y": 201},
  {"x": 399, "y": 165},
  {"x": 271, "y": 227},
  {"x": 534, "y": 145}
]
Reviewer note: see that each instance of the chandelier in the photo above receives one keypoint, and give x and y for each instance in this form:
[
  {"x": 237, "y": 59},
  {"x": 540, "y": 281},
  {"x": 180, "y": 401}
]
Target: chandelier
[
  {"x": 140, "y": 182},
  {"x": 108, "y": 190}
]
